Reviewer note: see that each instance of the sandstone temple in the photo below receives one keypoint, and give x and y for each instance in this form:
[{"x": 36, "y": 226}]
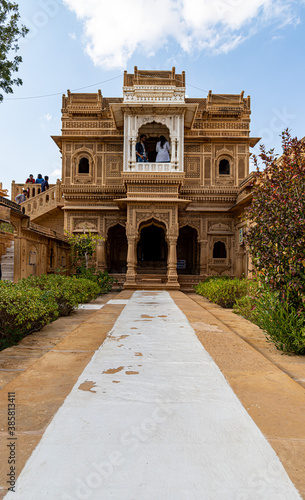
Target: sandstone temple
[{"x": 162, "y": 225}]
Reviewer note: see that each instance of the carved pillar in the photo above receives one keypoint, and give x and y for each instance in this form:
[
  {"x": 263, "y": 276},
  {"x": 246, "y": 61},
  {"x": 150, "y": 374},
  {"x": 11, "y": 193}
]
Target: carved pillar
[
  {"x": 133, "y": 150},
  {"x": 131, "y": 261},
  {"x": 173, "y": 150},
  {"x": 203, "y": 256},
  {"x": 58, "y": 196},
  {"x": 101, "y": 255},
  {"x": 172, "y": 276}
]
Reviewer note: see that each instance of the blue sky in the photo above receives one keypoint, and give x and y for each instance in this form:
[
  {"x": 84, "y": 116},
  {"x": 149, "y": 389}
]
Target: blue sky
[{"x": 223, "y": 45}]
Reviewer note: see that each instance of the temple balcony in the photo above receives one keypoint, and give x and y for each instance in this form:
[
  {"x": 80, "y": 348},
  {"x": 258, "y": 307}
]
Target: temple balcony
[
  {"x": 32, "y": 189},
  {"x": 38, "y": 203},
  {"x": 153, "y": 167}
]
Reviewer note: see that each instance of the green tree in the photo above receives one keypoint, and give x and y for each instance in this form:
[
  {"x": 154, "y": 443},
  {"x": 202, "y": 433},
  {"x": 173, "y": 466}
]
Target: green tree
[
  {"x": 83, "y": 246},
  {"x": 276, "y": 237},
  {"x": 10, "y": 33}
]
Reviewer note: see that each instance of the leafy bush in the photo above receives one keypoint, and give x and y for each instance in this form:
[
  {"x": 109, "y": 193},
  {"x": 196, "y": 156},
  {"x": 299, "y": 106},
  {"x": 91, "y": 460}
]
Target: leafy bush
[
  {"x": 68, "y": 292},
  {"x": 103, "y": 279},
  {"x": 245, "y": 307},
  {"x": 281, "y": 321},
  {"x": 33, "y": 302},
  {"x": 23, "y": 310},
  {"x": 276, "y": 234},
  {"x": 224, "y": 291}
]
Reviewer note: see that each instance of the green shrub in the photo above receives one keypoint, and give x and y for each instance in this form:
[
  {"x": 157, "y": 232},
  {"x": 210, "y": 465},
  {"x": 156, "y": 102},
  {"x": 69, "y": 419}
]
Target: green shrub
[
  {"x": 276, "y": 224},
  {"x": 281, "y": 321},
  {"x": 23, "y": 310},
  {"x": 103, "y": 279},
  {"x": 273, "y": 312},
  {"x": 68, "y": 292},
  {"x": 223, "y": 291},
  {"x": 245, "y": 307},
  {"x": 84, "y": 289},
  {"x": 33, "y": 302}
]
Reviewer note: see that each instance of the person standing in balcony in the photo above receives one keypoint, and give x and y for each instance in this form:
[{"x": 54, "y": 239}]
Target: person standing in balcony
[
  {"x": 39, "y": 179},
  {"x": 30, "y": 179},
  {"x": 141, "y": 153},
  {"x": 163, "y": 150},
  {"x": 45, "y": 184}
]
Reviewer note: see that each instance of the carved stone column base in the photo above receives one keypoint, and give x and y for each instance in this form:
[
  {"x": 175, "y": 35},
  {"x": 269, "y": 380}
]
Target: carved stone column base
[
  {"x": 172, "y": 284},
  {"x": 131, "y": 264},
  {"x": 130, "y": 281},
  {"x": 172, "y": 276}
]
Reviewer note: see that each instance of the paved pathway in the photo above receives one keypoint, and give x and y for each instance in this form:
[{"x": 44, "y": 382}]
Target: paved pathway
[{"x": 152, "y": 418}]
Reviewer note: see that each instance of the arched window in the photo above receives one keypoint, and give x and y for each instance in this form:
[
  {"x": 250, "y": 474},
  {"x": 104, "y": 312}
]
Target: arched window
[
  {"x": 219, "y": 250},
  {"x": 83, "y": 166},
  {"x": 224, "y": 167}
]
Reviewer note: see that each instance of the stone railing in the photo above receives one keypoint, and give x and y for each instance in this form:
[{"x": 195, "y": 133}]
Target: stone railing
[
  {"x": 43, "y": 202},
  {"x": 33, "y": 189},
  {"x": 152, "y": 167}
]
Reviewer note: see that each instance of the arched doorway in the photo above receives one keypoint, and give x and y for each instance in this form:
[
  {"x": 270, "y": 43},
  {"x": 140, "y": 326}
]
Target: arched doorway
[
  {"x": 152, "y": 249},
  {"x": 187, "y": 251},
  {"x": 116, "y": 247},
  {"x": 153, "y": 131}
]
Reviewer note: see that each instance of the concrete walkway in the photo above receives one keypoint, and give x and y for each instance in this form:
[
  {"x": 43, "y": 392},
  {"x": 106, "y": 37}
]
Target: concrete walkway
[{"x": 152, "y": 417}]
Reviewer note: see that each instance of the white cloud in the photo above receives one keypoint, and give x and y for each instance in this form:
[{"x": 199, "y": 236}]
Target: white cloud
[
  {"x": 114, "y": 30},
  {"x": 72, "y": 36},
  {"x": 45, "y": 119},
  {"x": 55, "y": 174}
]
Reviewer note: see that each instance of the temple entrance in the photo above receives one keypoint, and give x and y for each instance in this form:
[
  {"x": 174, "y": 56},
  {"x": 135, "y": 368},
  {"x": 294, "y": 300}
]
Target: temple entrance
[
  {"x": 152, "y": 250},
  {"x": 116, "y": 246},
  {"x": 187, "y": 253}
]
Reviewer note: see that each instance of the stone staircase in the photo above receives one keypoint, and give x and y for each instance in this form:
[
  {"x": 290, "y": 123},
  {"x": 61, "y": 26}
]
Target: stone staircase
[
  {"x": 158, "y": 282},
  {"x": 7, "y": 264},
  {"x": 43, "y": 203}
]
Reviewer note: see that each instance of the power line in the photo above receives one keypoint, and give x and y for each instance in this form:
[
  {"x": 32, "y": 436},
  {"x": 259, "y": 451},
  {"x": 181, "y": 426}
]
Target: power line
[
  {"x": 60, "y": 93},
  {"x": 109, "y": 80}
]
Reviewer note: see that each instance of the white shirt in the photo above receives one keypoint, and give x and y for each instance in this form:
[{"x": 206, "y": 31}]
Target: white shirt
[{"x": 162, "y": 153}]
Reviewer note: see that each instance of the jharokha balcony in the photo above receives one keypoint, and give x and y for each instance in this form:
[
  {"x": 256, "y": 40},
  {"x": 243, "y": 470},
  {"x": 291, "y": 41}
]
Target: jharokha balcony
[{"x": 153, "y": 167}]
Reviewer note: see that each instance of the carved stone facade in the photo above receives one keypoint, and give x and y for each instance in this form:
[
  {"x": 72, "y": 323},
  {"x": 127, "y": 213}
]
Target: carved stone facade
[
  {"x": 147, "y": 214},
  {"x": 37, "y": 249}
]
